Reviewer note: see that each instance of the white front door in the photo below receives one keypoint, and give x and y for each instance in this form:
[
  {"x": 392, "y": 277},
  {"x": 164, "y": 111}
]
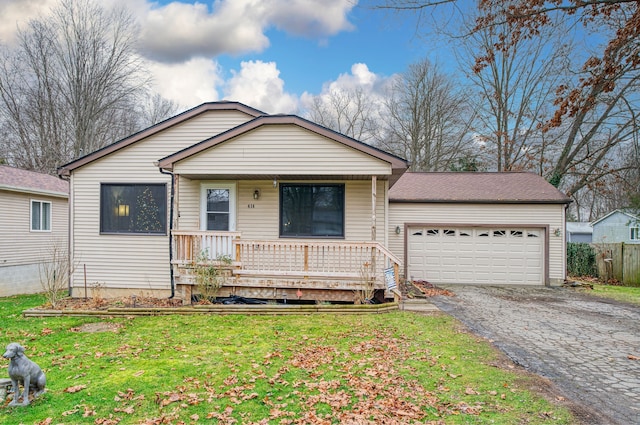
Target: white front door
[{"x": 218, "y": 206}]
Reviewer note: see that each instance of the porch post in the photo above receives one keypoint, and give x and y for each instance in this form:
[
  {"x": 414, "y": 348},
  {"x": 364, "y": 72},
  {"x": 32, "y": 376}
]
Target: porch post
[{"x": 373, "y": 207}]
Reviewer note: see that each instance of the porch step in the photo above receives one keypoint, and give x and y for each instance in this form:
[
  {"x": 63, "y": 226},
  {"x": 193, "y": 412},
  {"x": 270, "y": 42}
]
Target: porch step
[{"x": 418, "y": 305}]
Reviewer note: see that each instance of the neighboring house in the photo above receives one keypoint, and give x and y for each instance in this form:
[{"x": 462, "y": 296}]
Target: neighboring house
[
  {"x": 33, "y": 218},
  {"x": 304, "y": 212},
  {"x": 617, "y": 226},
  {"x": 579, "y": 232}
]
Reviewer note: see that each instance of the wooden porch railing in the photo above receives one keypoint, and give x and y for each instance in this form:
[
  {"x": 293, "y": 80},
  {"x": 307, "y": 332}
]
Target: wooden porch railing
[
  {"x": 190, "y": 244},
  {"x": 319, "y": 260},
  {"x": 293, "y": 259}
]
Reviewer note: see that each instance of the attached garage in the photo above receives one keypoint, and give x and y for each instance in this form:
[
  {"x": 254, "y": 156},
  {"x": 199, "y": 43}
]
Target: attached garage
[
  {"x": 478, "y": 228},
  {"x": 484, "y": 255}
]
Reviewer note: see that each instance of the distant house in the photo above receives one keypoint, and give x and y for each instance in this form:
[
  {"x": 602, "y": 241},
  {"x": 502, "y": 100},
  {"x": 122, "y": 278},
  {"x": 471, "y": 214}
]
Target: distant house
[
  {"x": 33, "y": 216},
  {"x": 302, "y": 211},
  {"x": 579, "y": 232},
  {"x": 617, "y": 226}
]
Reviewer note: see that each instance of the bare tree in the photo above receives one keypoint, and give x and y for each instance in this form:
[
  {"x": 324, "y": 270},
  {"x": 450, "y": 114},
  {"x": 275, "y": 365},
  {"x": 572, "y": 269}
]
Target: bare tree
[
  {"x": 516, "y": 90},
  {"x": 428, "y": 119},
  {"x": 351, "y": 112},
  {"x": 69, "y": 85}
]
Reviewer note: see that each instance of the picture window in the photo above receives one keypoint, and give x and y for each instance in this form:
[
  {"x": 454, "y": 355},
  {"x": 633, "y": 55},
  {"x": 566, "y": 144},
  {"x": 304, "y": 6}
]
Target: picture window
[{"x": 133, "y": 208}]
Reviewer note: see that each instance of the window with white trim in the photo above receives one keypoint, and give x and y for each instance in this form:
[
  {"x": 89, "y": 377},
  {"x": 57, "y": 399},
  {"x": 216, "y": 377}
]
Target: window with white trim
[
  {"x": 634, "y": 233},
  {"x": 40, "y": 216}
]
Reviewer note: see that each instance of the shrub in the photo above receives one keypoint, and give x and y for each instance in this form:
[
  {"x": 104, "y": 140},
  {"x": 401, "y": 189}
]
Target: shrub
[
  {"x": 581, "y": 260},
  {"x": 55, "y": 269},
  {"x": 210, "y": 274}
]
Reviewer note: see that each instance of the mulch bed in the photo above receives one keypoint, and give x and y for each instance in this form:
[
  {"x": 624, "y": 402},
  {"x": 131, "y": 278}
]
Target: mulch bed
[{"x": 107, "y": 303}]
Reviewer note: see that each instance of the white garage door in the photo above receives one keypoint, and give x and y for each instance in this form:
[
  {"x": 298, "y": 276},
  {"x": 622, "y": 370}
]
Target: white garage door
[{"x": 498, "y": 255}]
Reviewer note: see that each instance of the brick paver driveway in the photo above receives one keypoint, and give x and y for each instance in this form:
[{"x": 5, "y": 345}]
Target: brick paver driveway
[{"x": 586, "y": 345}]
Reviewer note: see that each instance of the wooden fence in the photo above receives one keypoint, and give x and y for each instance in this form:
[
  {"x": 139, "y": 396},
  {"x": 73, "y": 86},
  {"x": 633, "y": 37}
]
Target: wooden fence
[{"x": 618, "y": 261}]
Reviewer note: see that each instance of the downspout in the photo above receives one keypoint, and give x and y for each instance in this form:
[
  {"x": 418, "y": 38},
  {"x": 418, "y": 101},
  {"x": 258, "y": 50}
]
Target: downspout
[
  {"x": 69, "y": 230},
  {"x": 173, "y": 282}
]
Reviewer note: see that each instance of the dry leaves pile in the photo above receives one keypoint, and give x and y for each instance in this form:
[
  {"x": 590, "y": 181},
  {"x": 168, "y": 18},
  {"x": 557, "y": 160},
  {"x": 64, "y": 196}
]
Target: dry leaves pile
[{"x": 430, "y": 290}]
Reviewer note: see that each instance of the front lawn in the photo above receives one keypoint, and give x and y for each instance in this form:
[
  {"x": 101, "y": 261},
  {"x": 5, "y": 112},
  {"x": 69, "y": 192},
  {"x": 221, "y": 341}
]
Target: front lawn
[
  {"x": 396, "y": 368},
  {"x": 629, "y": 294}
]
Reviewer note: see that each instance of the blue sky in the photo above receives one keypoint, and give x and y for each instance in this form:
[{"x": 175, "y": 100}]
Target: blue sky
[
  {"x": 305, "y": 64},
  {"x": 270, "y": 54}
]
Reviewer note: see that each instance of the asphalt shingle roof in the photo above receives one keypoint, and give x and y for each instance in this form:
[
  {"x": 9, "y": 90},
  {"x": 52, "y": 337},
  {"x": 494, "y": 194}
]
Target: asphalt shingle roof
[
  {"x": 18, "y": 179},
  {"x": 475, "y": 187}
]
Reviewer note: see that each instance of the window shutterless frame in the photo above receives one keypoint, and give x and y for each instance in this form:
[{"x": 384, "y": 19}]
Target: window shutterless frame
[
  {"x": 312, "y": 210},
  {"x": 133, "y": 208},
  {"x": 40, "y": 216}
]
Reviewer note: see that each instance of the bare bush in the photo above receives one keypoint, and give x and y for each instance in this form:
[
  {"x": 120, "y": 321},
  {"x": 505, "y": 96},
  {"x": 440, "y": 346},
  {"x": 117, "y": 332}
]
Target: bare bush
[{"x": 55, "y": 269}]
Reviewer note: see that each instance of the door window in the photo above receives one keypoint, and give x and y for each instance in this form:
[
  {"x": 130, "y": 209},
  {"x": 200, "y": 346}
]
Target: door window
[{"x": 218, "y": 207}]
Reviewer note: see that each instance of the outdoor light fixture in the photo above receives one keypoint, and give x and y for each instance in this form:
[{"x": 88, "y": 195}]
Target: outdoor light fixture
[
  {"x": 398, "y": 230},
  {"x": 256, "y": 194},
  {"x": 557, "y": 231},
  {"x": 275, "y": 183}
]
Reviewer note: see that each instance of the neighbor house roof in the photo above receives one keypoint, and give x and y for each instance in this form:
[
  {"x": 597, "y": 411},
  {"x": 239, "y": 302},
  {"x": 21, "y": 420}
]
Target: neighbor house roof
[
  {"x": 18, "y": 180},
  {"x": 579, "y": 227},
  {"x": 475, "y": 188},
  {"x": 398, "y": 165},
  {"x": 65, "y": 170},
  {"x": 628, "y": 214}
]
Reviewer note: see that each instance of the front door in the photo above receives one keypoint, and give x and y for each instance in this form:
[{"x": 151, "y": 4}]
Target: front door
[{"x": 217, "y": 207}]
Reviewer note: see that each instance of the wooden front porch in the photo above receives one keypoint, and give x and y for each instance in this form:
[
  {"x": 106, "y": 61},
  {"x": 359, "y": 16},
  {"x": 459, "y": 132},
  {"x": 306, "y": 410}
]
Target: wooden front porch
[{"x": 285, "y": 269}]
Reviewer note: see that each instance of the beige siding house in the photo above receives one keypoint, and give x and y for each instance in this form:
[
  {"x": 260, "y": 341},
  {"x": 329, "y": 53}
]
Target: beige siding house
[
  {"x": 303, "y": 212},
  {"x": 33, "y": 219}
]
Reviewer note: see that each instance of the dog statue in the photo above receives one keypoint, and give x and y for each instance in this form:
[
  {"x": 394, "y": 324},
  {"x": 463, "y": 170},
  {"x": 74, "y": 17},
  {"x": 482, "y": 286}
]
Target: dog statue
[{"x": 22, "y": 370}]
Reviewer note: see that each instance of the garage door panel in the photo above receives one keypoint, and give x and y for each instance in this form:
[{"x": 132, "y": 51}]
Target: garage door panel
[{"x": 476, "y": 255}]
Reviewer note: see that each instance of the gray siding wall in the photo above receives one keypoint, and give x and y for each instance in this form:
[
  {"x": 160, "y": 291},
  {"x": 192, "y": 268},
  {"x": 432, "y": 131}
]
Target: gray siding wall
[{"x": 614, "y": 229}]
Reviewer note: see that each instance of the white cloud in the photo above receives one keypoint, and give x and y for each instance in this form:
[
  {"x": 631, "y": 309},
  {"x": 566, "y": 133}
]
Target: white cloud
[
  {"x": 189, "y": 83},
  {"x": 311, "y": 18},
  {"x": 361, "y": 78},
  {"x": 17, "y": 13},
  {"x": 178, "y": 31},
  {"x": 259, "y": 84}
]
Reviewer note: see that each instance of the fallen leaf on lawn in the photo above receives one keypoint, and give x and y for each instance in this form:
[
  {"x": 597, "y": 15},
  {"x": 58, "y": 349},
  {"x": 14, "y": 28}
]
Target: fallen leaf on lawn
[
  {"x": 45, "y": 421},
  {"x": 194, "y": 417},
  {"x": 139, "y": 373},
  {"x": 74, "y": 389},
  {"x": 46, "y": 331},
  {"x": 470, "y": 391}
]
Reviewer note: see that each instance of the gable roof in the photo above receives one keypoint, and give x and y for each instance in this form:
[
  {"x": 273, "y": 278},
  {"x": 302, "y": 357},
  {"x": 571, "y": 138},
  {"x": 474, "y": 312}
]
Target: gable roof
[
  {"x": 398, "y": 165},
  {"x": 18, "y": 180},
  {"x": 66, "y": 169},
  {"x": 473, "y": 187},
  {"x": 618, "y": 211}
]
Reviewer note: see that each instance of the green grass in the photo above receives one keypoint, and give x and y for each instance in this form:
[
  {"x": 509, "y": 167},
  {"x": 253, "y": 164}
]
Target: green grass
[
  {"x": 629, "y": 294},
  {"x": 382, "y": 368}
]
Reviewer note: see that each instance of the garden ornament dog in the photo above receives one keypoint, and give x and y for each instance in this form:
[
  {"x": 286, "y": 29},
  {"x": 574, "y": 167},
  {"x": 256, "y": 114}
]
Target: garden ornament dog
[{"x": 22, "y": 370}]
